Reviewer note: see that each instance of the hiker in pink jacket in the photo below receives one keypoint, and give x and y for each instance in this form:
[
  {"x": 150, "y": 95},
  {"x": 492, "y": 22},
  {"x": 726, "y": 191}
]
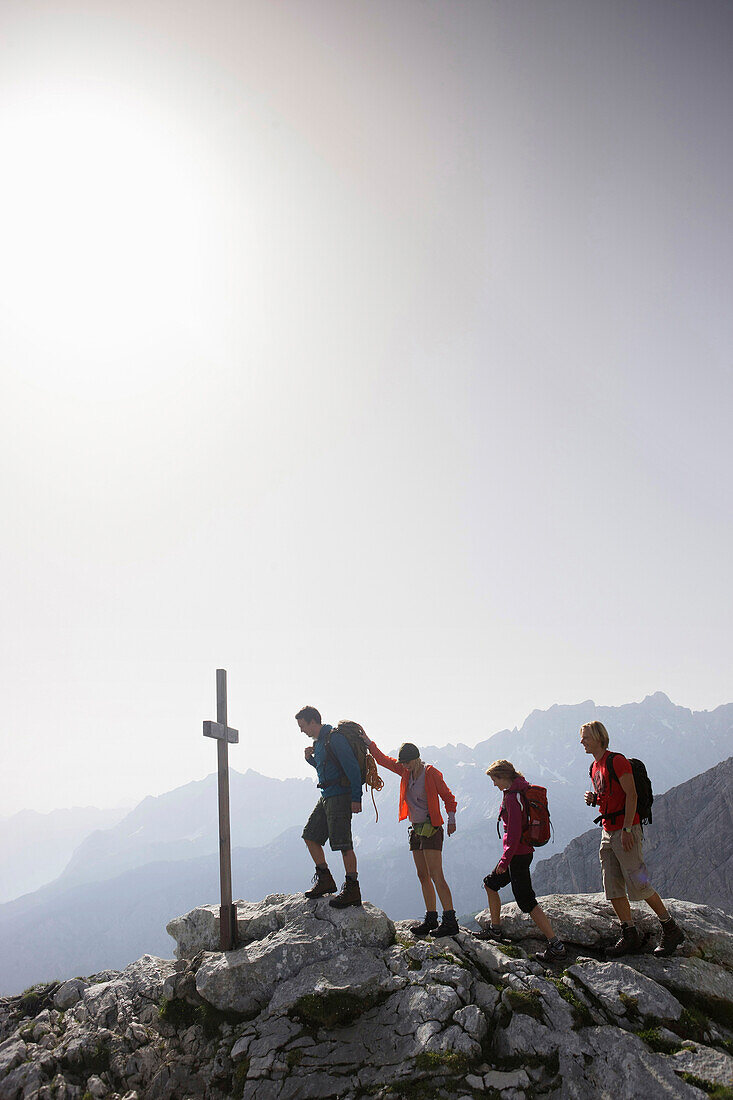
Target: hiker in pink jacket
[{"x": 513, "y": 867}]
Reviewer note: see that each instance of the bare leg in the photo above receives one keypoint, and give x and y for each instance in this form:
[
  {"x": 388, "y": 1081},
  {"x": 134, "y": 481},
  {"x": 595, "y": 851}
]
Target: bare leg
[
  {"x": 656, "y": 903},
  {"x": 542, "y": 921},
  {"x": 317, "y": 854},
  {"x": 623, "y": 910},
  {"x": 434, "y": 861},
  {"x": 426, "y": 885},
  {"x": 349, "y": 861},
  {"x": 494, "y": 906}
]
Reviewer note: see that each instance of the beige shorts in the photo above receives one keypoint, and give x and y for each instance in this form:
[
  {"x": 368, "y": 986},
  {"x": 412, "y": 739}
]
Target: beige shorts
[{"x": 624, "y": 873}]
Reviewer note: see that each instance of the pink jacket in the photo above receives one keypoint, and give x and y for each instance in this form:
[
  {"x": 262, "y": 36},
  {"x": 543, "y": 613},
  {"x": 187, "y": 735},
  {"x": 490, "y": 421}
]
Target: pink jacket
[{"x": 512, "y": 814}]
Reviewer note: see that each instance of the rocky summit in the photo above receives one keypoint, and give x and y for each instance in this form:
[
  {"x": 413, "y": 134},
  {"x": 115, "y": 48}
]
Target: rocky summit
[{"x": 317, "y": 1002}]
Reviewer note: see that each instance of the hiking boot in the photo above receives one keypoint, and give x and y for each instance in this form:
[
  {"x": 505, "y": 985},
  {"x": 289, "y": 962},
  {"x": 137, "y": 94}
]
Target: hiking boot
[
  {"x": 350, "y": 895},
  {"x": 495, "y": 935},
  {"x": 448, "y": 926},
  {"x": 554, "y": 952},
  {"x": 430, "y": 922},
  {"x": 629, "y": 943},
  {"x": 322, "y": 884},
  {"x": 672, "y": 937}
]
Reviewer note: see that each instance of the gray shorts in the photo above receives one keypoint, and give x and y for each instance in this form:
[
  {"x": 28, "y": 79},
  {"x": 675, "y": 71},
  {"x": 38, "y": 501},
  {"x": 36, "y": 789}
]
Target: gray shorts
[
  {"x": 331, "y": 821},
  {"x": 624, "y": 873}
]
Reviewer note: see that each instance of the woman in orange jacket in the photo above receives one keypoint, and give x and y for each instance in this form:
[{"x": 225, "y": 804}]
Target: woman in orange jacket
[{"x": 421, "y": 788}]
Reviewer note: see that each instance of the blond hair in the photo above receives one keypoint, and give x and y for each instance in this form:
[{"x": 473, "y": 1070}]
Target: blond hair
[
  {"x": 503, "y": 769},
  {"x": 598, "y": 730}
]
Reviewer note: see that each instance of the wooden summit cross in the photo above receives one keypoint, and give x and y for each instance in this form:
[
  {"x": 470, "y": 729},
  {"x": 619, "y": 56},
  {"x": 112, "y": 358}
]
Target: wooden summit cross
[{"x": 225, "y": 736}]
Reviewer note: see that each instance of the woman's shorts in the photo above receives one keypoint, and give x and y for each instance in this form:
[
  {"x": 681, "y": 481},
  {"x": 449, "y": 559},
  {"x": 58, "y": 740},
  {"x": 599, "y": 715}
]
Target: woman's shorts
[
  {"x": 518, "y": 875},
  {"x": 331, "y": 821},
  {"x": 432, "y": 843}
]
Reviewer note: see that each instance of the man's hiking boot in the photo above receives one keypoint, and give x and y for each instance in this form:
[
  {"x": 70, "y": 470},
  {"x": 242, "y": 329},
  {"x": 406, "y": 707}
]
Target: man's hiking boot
[
  {"x": 430, "y": 922},
  {"x": 554, "y": 952},
  {"x": 672, "y": 937},
  {"x": 492, "y": 934},
  {"x": 322, "y": 884},
  {"x": 448, "y": 926},
  {"x": 629, "y": 943},
  {"x": 350, "y": 895}
]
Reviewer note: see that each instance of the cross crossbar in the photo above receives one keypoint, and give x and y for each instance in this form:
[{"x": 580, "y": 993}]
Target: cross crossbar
[{"x": 221, "y": 732}]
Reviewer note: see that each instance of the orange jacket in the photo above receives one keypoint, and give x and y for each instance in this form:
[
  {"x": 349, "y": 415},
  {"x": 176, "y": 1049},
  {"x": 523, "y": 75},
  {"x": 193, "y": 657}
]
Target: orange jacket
[{"x": 434, "y": 785}]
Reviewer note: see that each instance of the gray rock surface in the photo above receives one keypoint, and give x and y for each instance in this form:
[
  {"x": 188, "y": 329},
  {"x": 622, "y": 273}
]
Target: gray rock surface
[
  {"x": 588, "y": 920},
  {"x": 320, "y": 1003},
  {"x": 709, "y": 1065},
  {"x": 622, "y": 991}
]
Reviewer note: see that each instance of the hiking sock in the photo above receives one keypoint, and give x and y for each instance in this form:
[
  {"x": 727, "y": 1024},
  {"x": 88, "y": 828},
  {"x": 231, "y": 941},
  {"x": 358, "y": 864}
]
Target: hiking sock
[
  {"x": 555, "y": 942},
  {"x": 665, "y": 921},
  {"x": 353, "y": 876},
  {"x": 496, "y": 927},
  {"x": 321, "y": 867}
]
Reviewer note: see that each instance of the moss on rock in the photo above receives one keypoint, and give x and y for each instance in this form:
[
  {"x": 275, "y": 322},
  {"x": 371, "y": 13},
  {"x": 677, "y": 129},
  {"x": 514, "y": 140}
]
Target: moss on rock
[{"x": 336, "y": 1008}]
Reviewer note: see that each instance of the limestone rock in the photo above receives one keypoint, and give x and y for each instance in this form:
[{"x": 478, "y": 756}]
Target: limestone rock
[
  {"x": 69, "y": 993},
  {"x": 356, "y": 972},
  {"x": 623, "y": 1067},
  {"x": 623, "y": 991},
  {"x": 588, "y": 920},
  {"x": 686, "y": 977},
  {"x": 12, "y": 1052},
  {"x": 321, "y": 1003},
  {"x": 708, "y": 1064},
  {"x": 511, "y": 1079},
  {"x": 309, "y": 933},
  {"x": 198, "y": 930}
]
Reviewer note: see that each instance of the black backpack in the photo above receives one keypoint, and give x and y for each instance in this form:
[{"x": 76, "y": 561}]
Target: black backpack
[{"x": 643, "y": 784}]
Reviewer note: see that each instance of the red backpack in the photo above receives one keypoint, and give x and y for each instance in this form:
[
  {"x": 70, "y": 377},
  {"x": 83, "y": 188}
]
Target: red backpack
[{"x": 537, "y": 825}]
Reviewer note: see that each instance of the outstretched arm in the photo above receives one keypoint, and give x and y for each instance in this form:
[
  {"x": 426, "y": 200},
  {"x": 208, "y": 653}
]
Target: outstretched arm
[{"x": 386, "y": 761}]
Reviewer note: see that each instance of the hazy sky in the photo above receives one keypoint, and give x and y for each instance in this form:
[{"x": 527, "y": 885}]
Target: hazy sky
[{"x": 379, "y": 352}]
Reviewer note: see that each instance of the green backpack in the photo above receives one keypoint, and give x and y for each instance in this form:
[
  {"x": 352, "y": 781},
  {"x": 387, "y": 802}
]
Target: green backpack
[{"x": 352, "y": 734}]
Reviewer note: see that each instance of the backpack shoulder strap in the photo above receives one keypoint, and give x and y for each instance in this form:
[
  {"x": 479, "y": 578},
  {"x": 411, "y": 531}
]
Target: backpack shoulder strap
[
  {"x": 330, "y": 752},
  {"x": 498, "y": 817},
  {"x": 611, "y": 770}
]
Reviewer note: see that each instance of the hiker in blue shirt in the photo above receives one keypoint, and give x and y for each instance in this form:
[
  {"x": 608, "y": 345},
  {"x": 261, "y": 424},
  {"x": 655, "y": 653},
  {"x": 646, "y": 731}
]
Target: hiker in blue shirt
[{"x": 332, "y": 757}]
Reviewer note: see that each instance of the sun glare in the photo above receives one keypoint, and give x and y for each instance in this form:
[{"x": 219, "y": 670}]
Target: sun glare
[{"x": 102, "y": 269}]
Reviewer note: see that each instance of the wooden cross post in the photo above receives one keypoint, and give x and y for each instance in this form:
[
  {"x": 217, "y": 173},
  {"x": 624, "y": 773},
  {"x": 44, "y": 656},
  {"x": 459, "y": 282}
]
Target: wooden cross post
[{"x": 224, "y": 738}]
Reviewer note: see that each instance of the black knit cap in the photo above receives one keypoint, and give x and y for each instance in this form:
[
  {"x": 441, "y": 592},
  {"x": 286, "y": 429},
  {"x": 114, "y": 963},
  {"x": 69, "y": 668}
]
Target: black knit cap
[{"x": 408, "y": 752}]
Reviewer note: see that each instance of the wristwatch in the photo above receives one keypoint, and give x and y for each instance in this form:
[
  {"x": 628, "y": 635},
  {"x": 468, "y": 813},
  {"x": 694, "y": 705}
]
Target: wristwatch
[{"x": 627, "y": 828}]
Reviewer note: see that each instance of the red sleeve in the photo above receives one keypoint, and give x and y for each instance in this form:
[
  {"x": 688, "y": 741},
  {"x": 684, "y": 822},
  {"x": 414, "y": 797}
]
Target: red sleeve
[
  {"x": 445, "y": 792},
  {"x": 621, "y": 765},
  {"x": 386, "y": 761}
]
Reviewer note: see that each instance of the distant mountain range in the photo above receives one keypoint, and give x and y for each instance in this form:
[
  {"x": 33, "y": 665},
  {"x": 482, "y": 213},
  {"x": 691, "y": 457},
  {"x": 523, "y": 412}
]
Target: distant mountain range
[
  {"x": 688, "y": 846},
  {"x": 110, "y": 903},
  {"x": 184, "y": 823},
  {"x": 35, "y": 847}
]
